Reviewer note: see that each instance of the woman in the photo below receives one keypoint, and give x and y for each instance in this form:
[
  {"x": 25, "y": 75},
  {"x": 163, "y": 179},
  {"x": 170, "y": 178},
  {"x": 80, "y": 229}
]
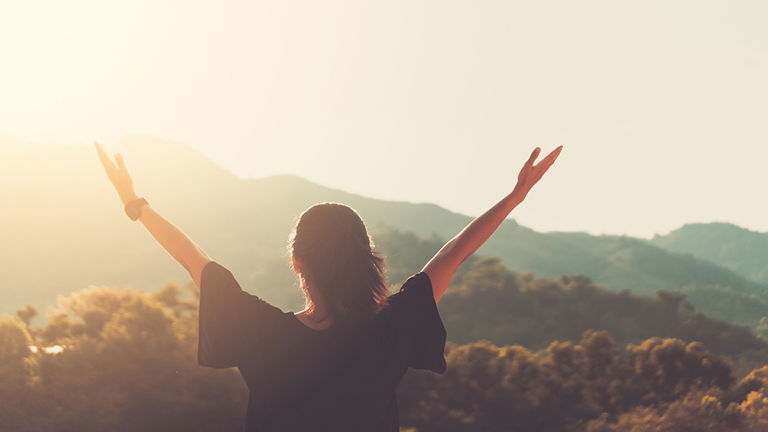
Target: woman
[{"x": 335, "y": 365}]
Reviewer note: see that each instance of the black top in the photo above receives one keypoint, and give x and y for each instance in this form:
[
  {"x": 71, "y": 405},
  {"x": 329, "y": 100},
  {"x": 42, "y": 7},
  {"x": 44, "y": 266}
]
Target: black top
[{"x": 300, "y": 379}]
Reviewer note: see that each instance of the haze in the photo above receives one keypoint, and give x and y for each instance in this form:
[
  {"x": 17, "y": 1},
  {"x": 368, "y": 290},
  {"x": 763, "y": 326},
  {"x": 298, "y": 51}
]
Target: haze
[{"x": 661, "y": 105}]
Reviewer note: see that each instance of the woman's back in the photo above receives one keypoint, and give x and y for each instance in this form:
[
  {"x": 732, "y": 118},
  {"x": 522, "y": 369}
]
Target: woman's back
[{"x": 342, "y": 378}]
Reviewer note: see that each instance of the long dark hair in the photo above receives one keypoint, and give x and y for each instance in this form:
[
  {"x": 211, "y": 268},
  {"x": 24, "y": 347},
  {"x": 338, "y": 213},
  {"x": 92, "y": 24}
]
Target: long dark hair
[{"x": 337, "y": 257}]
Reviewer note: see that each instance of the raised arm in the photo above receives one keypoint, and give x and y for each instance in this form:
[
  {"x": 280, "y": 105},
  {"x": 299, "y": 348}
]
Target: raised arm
[
  {"x": 172, "y": 239},
  {"x": 444, "y": 264}
]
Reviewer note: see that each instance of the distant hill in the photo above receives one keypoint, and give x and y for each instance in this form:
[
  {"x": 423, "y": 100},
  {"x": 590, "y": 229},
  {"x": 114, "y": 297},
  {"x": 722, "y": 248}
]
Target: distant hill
[
  {"x": 489, "y": 302},
  {"x": 728, "y": 245},
  {"x": 62, "y": 228}
]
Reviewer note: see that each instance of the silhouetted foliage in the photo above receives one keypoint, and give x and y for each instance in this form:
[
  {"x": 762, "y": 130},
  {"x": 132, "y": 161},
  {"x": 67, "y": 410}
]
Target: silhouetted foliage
[
  {"x": 658, "y": 385},
  {"x": 26, "y": 314},
  {"x": 125, "y": 360},
  {"x": 490, "y": 302},
  {"x": 127, "y": 363}
]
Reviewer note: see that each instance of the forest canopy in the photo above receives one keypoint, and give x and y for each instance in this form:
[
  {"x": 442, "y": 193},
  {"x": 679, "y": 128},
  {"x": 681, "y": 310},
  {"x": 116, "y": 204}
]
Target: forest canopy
[{"x": 126, "y": 361}]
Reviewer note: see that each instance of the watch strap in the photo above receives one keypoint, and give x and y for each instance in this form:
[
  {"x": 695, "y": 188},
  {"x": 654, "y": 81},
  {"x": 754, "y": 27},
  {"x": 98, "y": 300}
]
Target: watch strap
[{"x": 133, "y": 208}]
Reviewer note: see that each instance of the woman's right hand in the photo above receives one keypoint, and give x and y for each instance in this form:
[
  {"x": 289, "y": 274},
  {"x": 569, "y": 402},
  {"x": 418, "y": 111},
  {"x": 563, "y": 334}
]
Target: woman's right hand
[
  {"x": 118, "y": 175},
  {"x": 530, "y": 174},
  {"x": 444, "y": 264}
]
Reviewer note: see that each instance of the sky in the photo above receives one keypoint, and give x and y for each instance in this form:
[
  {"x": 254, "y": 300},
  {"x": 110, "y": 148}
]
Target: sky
[{"x": 661, "y": 105}]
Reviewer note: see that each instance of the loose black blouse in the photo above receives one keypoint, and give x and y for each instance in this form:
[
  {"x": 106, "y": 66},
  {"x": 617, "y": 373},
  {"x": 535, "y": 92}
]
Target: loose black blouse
[{"x": 300, "y": 379}]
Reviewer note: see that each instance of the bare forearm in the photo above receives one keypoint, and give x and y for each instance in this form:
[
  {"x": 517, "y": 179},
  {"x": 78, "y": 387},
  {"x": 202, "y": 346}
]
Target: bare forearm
[
  {"x": 174, "y": 241},
  {"x": 469, "y": 239},
  {"x": 446, "y": 261}
]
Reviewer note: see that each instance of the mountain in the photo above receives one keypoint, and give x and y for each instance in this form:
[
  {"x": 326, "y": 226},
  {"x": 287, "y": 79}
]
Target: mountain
[
  {"x": 63, "y": 228},
  {"x": 731, "y": 246},
  {"x": 488, "y": 302}
]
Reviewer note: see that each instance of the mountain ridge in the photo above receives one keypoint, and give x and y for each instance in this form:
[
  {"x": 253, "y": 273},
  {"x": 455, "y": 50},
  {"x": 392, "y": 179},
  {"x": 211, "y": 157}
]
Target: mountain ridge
[
  {"x": 246, "y": 222},
  {"x": 732, "y": 246}
]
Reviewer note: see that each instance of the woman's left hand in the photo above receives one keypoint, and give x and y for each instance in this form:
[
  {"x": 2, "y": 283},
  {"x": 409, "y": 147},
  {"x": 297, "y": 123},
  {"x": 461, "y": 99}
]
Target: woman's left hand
[
  {"x": 530, "y": 174},
  {"x": 118, "y": 175}
]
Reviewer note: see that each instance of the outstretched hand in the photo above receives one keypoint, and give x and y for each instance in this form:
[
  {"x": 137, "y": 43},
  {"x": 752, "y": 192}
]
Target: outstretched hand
[
  {"x": 530, "y": 174},
  {"x": 118, "y": 175}
]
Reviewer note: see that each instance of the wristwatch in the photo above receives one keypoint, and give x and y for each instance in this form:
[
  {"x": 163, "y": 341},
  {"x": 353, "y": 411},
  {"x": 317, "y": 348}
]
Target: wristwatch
[{"x": 133, "y": 208}]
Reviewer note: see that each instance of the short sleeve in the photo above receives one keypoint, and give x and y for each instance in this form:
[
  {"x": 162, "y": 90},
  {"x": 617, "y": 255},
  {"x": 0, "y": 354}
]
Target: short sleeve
[
  {"x": 230, "y": 319},
  {"x": 420, "y": 325}
]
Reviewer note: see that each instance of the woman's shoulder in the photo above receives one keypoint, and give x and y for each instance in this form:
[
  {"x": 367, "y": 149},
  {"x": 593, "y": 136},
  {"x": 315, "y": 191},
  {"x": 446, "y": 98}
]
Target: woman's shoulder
[
  {"x": 419, "y": 324},
  {"x": 417, "y": 285}
]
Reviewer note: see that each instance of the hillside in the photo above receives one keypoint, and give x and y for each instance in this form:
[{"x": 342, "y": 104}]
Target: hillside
[
  {"x": 64, "y": 229},
  {"x": 491, "y": 303},
  {"x": 741, "y": 250}
]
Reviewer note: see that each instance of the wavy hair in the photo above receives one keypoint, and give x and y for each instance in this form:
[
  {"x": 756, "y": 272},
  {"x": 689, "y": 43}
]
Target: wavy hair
[{"x": 337, "y": 258}]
